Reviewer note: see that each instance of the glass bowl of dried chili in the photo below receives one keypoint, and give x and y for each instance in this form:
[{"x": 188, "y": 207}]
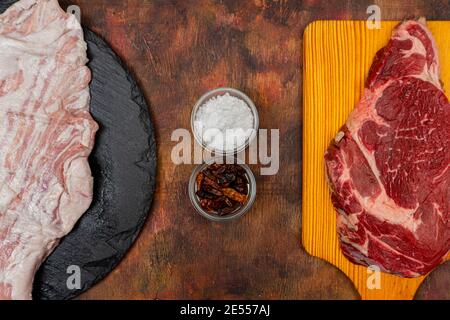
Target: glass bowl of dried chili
[{"x": 222, "y": 190}]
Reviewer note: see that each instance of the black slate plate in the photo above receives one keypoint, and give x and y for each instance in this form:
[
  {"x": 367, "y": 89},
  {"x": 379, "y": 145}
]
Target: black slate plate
[{"x": 123, "y": 164}]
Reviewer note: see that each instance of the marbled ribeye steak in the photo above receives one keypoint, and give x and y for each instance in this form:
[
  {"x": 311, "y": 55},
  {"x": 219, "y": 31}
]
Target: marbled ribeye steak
[{"x": 388, "y": 167}]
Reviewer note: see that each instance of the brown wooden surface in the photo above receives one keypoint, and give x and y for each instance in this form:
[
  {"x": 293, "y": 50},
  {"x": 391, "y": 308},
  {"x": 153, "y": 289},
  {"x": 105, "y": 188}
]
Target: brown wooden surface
[{"x": 179, "y": 49}]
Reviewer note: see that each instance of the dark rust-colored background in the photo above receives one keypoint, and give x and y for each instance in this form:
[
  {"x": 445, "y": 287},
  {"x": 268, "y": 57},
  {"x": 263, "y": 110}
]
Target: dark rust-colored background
[{"x": 179, "y": 49}]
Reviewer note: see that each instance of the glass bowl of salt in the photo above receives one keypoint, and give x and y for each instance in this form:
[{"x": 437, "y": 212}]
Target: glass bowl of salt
[{"x": 224, "y": 121}]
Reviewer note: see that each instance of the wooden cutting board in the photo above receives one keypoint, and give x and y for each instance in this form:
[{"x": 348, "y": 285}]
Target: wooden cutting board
[{"x": 337, "y": 58}]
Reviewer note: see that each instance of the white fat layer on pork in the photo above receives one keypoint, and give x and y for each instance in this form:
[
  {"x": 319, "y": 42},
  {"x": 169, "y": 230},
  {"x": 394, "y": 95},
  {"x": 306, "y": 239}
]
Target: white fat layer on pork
[{"x": 45, "y": 183}]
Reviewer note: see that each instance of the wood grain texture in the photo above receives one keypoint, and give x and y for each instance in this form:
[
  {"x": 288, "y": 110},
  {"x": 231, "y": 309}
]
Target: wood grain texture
[
  {"x": 337, "y": 58},
  {"x": 179, "y": 49}
]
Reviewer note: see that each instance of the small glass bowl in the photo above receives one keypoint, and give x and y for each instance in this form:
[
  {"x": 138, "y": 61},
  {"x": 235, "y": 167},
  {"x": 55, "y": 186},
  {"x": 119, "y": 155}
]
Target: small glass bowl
[
  {"x": 235, "y": 93},
  {"x": 239, "y": 212}
]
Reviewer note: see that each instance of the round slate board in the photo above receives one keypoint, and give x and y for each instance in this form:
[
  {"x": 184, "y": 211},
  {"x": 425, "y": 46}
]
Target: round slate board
[{"x": 123, "y": 164}]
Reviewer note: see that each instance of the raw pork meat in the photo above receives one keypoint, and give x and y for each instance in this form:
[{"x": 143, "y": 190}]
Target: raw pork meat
[
  {"x": 388, "y": 167},
  {"x": 46, "y": 134}
]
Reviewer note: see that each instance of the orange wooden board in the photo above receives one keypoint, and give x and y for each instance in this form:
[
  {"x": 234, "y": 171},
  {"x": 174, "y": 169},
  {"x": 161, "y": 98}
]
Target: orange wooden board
[{"x": 337, "y": 58}]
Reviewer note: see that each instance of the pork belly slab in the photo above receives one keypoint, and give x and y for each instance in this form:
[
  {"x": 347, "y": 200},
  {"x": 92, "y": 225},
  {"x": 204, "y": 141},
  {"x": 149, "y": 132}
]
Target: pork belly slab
[{"x": 46, "y": 136}]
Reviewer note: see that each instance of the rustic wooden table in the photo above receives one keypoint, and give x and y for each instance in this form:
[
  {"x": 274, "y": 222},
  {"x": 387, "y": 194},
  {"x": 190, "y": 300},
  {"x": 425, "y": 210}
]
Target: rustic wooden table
[{"x": 177, "y": 50}]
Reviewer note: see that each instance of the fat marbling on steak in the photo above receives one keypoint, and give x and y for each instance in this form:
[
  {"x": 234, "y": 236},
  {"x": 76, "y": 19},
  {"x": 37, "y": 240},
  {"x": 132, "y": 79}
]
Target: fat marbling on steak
[
  {"x": 46, "y": 134},
  {"x": 388, "y": 167}
]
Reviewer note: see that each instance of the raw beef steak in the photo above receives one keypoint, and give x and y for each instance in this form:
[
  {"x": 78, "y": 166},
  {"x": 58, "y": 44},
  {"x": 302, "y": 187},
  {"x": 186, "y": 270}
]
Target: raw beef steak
[
  {"x": 46, "y": 134},
  {"x": 388, "y": 167}
]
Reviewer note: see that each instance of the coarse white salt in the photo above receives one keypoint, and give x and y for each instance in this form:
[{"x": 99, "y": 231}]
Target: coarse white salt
[{"x": 224, "y": 123}]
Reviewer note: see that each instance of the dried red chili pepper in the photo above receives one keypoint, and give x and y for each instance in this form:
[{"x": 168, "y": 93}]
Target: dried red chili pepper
[
  {"x": 222, "y": 188},
  {"x": 199, "y": 180},
  {"x": 234, "y": 195}
]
